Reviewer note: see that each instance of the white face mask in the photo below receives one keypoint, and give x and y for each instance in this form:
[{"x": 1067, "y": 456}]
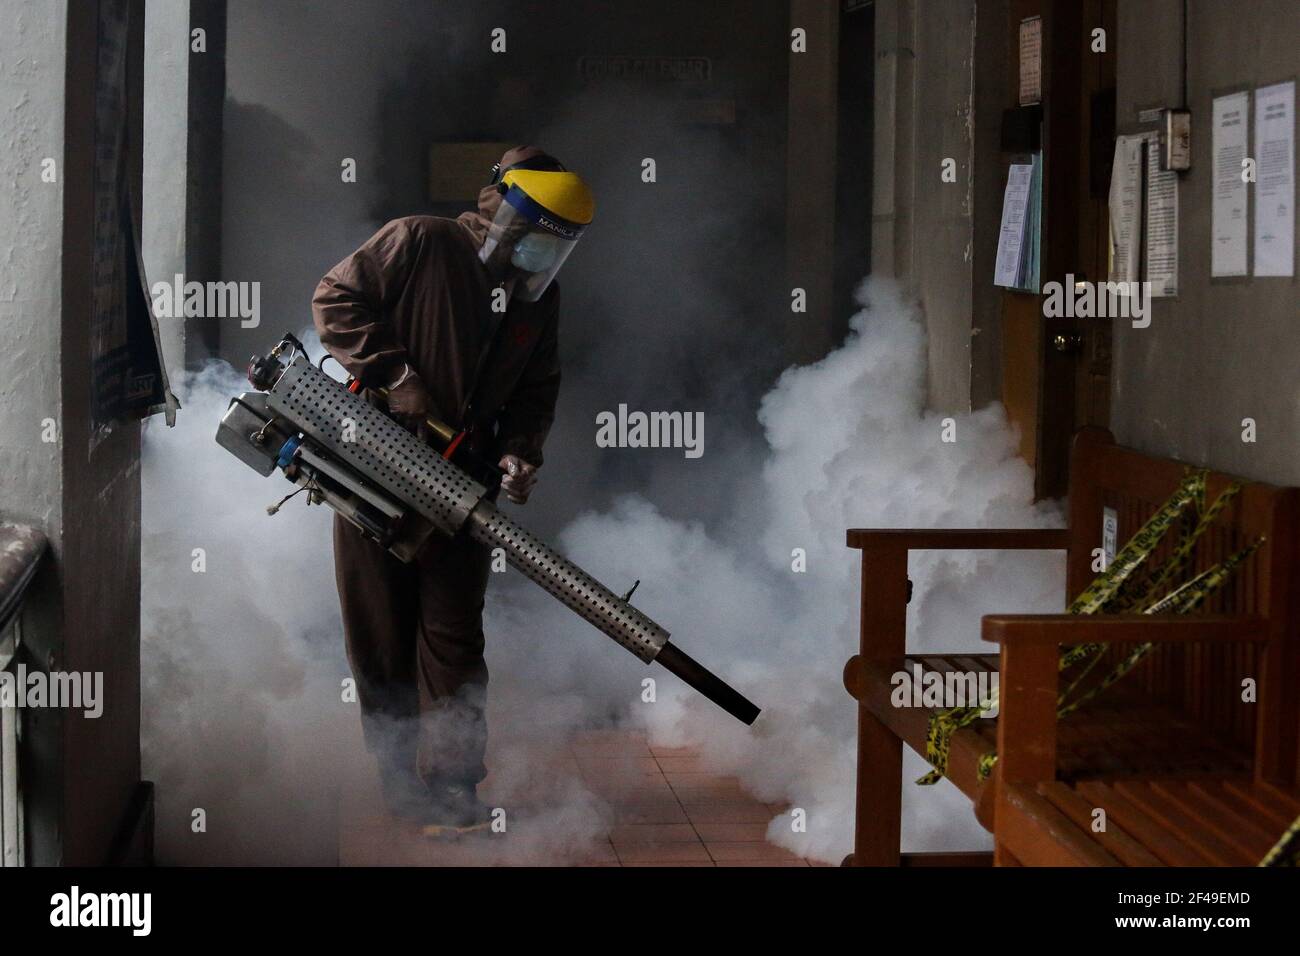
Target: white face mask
[{"x": 535, "y": 252}]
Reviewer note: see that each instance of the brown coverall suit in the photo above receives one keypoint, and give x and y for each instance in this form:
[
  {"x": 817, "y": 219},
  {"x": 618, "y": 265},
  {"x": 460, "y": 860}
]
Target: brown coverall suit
[{"x": 416, "y": 292}]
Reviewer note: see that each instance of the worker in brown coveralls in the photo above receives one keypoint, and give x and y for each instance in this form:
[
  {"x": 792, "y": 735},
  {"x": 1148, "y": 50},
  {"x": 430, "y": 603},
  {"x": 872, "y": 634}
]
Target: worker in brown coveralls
[{"x": 456, "y": 319}]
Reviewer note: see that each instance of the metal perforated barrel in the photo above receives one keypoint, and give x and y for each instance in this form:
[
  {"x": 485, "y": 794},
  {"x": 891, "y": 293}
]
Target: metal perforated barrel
[{"x": 586, "y": 596}]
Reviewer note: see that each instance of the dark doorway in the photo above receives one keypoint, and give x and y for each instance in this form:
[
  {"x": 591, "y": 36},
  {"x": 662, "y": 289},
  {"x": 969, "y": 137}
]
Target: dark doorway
[
  {"x": 1056, "y": 371},
  {"x": 853, "y": 157}
]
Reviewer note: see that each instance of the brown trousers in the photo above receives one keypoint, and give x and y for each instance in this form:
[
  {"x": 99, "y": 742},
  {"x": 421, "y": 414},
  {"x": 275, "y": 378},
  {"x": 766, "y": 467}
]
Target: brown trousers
[{"x": 414, "y": 635}]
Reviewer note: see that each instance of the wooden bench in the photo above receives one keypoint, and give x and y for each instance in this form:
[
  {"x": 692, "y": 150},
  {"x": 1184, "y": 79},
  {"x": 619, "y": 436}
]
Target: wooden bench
[{"x": 1185, "y": 771}]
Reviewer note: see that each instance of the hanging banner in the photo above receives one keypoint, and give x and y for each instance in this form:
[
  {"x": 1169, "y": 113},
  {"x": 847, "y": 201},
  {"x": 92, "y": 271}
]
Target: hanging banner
[{"x": 128, "y": 380}]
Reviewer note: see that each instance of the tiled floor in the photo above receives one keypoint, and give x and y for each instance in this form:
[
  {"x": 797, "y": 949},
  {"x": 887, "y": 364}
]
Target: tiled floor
[{"x": 654, "y": 807}]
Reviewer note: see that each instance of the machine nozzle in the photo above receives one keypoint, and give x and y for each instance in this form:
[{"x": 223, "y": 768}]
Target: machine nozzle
[{"x": 708, "y": 683}]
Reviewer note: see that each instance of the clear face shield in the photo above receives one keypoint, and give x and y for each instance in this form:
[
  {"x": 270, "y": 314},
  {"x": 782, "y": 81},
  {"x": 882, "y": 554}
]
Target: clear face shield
[{"x": 527, "y": 244}]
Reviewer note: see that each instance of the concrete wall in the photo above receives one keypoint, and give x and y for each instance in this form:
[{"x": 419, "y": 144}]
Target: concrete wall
[
  {"x": 166, "y": 114},
  {"x": 31, "y": 221},
  {"x": 932, "y": 104},
  {"x": 943, "y": 215},
  {"x": 79, "y": 774},
  {"x": 32, "y": 62},
  {"x": 206, "y": 76},
  {"x": 810, "y": 173},
  {"x": 1222, "y": 350},
  {"x": 987, "y": 181},
  {"x": 184, "y": 93}
]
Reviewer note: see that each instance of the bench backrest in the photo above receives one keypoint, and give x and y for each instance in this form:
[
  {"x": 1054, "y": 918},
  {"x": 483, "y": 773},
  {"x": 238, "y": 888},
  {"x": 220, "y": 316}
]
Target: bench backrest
[{"x": 1204, "y": 681}]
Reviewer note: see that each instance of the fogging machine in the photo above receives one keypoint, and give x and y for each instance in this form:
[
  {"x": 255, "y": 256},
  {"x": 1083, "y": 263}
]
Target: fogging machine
[{"x": 346, "y": 453}]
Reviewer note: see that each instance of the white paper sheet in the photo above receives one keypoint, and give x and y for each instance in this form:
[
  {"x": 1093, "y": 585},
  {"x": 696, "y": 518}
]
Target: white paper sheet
[
  {"x": 1161, "y": 225},
  {"x": 1231, "y": 119},
  {"x": 1126, "y": 209},
  {"x": 1011, "y": 236},
  {"x": 1275, "y": 180}
]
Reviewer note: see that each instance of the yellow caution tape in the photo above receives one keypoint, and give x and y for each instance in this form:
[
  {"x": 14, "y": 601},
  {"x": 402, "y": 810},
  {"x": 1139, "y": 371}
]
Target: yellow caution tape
[
  {"x": 1286, "y": 852},
  {"x": 1175, "y": 602},
  {"x": 1117, "y": 589},
  {"x": 1184, "y": 600}
]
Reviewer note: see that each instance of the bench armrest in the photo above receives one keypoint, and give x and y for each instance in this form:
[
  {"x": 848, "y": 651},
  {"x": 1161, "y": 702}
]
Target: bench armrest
[
  {"x": 960, "y": 539},
  {"x": 1054, "y": 629},
  {"x": 1029, "y": 672},
  {"x": 886, "y": 589}
]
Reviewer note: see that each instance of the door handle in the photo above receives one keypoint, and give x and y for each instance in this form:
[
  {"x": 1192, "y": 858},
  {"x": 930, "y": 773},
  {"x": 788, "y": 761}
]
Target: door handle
[{"x": 1068, "y": 343}]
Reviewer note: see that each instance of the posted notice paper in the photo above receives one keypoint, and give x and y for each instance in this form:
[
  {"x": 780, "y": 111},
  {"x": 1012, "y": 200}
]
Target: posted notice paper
[
  {"x": 1126, "y": 209},
  {"x": 1228, "y": 207},
  {"x": 1275, "y": 180},
  {"x": 1008, "y": 270},
  {"x": 1161, "y": 225}
]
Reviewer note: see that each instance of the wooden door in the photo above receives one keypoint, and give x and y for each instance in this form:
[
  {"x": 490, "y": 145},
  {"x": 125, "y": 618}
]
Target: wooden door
[{"x": 1056, "y": 371}]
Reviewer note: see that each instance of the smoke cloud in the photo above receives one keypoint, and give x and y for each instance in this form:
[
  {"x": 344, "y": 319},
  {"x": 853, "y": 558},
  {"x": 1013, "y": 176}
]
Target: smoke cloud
[{"x": 245, "y": 718}]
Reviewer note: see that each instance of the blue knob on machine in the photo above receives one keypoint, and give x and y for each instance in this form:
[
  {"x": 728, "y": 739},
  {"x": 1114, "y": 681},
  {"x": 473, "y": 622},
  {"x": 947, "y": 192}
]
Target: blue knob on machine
[{"x": 287, "y": 450}]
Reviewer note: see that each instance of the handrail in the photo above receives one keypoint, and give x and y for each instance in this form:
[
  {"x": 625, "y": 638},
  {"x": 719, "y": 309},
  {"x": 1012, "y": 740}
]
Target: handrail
[
  {"x": 960, "y": 539},
  {"x": 21, "y": 550}
]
